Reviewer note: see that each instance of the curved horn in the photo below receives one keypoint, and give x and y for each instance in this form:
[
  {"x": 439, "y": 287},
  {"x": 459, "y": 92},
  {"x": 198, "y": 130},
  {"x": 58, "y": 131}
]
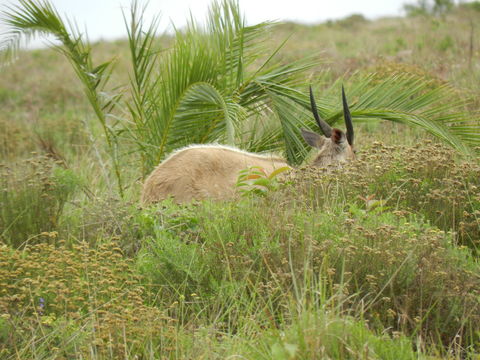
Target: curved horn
[
  {"x": 326, "y": 129},
  {"x": 348, "y": 118}
]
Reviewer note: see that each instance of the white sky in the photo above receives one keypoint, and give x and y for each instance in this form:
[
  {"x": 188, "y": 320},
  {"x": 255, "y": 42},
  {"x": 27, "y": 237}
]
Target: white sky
[{"x": 103, "y": 18}]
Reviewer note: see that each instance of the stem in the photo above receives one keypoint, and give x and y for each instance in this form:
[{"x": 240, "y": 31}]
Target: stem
[
  {"x": 92, "y": 80},
  {"x": 470, "y": 54}
]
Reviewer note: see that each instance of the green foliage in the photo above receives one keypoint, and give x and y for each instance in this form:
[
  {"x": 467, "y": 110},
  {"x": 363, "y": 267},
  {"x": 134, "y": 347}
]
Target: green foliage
[
  {"x": 437, "y": 188},
  {"x": 325, "y": 253},
  {"x": 442, "y": 6},
  {"x": 73, "y": 302},
  {"x": 396, "y": 46},
  {"x": 417, "y": 100},
  {"x": 31, "y": 18},
  {"x": 32, "y": 201},
  {"x": 474, "y": 5},
  {"x": 13, "y": 139},
  {"x": 396, "y": 270},
  {"x": 255, "y": 180},
  {"x": 420, "y": 8},
  {"x": 180, "y": 267},
  {"x": 350, "y": 22},
  {"x": 318, "y": 335},
  {"x": 174, "y": 104},
  {"x": 426, "y": 7},
  {"x": 446, "y": 43},
  {"x": 231, "y": 78},
  {"x": 378, "y": 259},
  {"x": 101, "y": 220}
]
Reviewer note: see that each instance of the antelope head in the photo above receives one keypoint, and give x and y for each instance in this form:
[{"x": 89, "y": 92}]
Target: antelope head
[{"x": 334, "y": 145}]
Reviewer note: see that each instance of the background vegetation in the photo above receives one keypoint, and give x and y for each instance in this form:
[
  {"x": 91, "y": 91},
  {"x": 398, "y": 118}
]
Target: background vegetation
[{"x": 378, "y": 259}]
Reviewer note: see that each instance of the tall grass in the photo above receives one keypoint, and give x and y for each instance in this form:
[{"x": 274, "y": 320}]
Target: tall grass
[
  {"x": 437, "y": 188},
  {"x": 304, "y": 270},
  {"x": 32, "y": 200},
  {"x": 345, "y": 263}
]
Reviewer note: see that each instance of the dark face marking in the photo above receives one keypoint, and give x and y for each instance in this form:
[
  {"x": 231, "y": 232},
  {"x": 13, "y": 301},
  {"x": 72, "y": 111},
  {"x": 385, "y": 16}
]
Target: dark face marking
[{"x": 337, "y": 136}]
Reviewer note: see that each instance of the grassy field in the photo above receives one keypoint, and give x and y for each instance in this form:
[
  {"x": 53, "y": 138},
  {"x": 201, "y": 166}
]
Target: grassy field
[{"x": 375, "y": 260}]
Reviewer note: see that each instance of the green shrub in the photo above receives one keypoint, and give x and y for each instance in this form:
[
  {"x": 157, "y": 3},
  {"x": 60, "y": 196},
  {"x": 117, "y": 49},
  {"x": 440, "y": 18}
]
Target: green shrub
[
  {"x": 14, "y": 139},
  {"x": 72, "y": 303},
  {"x": 446, "y": 43},
  {"x": 350, "y": 22},
  {"x": 473, "y": 5},
  {"x": 395, "y": 271},
  {"x": 426, "y": 7},
  {"x": 323, "y": 336},
  {"x": 347, "y": 251},
  {"x": 32, "y": 199},
  {"x": 100, "y": 220},
  {"x": 426, "y": 180}
]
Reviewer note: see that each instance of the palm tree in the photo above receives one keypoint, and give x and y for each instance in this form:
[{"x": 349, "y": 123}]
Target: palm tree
[{"x": 214, "y": 85}]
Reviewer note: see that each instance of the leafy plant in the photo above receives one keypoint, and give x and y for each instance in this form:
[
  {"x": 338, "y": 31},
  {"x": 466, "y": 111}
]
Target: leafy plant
[
  {"x": 426, "y": 7},
  {"x": 425, "y": 180},
  {"x": 411, "y": 99},
  {"x": 288, "y": 251},
  {"x": 32, "y": 18},
  {"x": 174, "y": 104},
  {"x": 255, "y": 180},
  {"x": 32, "y": 200},
  {"x": 230, "y": 82},
  {"x": 59, "y": 295},
  {"x": 446, "y": 43},
  {"x": 471, "y": 5}
]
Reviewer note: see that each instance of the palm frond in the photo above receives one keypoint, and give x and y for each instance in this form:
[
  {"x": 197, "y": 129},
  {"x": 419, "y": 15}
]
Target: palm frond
[
  {"x": 27, "y": 20},
  {"x": 203, "y": 115},
  {"x": 403, "y": 98},
  {"x": 412, "y": 100},
  {"x": 144, "y": 60},
  {"x": 287, "y": 113},
  {"x": 32, "y": 18},
  {"x": 208, "y": 84}
]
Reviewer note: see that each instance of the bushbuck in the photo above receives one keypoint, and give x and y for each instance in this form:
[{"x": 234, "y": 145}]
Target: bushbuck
[{"x": 211, "y": 170}]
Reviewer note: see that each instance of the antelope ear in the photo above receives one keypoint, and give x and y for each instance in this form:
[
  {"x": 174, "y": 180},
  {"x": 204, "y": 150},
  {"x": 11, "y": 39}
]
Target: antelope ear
[{"x": 313, "y": 139}]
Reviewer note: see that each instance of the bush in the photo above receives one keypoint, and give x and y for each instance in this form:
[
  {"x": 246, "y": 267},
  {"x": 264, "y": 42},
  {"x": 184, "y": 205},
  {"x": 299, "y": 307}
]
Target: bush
[
  {"x": 350, "y": 22},
  {"x": 426, "y": 180},
  {"x": 388, "y": 267},
  {"x": 72, "y": 303},
  {"x": 323, "y": 336},
  {"x": 473, "y": 5},
  {"x": 32, "y": 199},
  {"x": 354, "y": 252},
  {"x": 425, "y": 7},
  {"x": 101, "y": 220},
  {"x": 446, "y": 43}
]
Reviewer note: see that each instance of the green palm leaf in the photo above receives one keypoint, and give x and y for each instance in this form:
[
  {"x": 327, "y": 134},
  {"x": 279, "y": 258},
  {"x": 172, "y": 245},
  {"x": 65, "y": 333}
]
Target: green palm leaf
[
  {"x": 32, "y": 18},
  {"x": 412, "y": 100},
  {"x": 203, "y": 115},
  {"x": 208, "y": 86}
]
